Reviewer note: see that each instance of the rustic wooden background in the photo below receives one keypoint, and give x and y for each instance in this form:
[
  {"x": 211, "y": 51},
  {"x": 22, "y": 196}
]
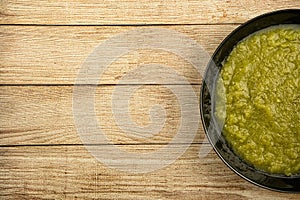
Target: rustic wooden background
[{"x": 43, "y": 45}]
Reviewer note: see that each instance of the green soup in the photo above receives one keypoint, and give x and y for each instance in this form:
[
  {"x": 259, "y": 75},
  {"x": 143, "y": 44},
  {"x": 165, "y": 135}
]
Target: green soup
[{"x": 258, "y": 99}]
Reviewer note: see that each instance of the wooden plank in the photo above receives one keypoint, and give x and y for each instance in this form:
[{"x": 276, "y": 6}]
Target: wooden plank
[
  {"x": 43, "y": 114},
  {"x": 54, "y": 55},
  {"x": 70, "y": 172},
  {"x": 136, "y": 12}
]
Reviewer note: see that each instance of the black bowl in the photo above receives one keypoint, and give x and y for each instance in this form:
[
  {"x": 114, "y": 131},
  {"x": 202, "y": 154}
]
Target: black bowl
[{"x": 211, "y": 127}]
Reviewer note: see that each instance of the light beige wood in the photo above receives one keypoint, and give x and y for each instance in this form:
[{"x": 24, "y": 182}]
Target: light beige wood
[
  {"x": 43, "y": 114},
  {"x": 54, "y": 55},
  {"x": 68, "y": 172},
  {"x": 136, "y": 12},
  {"x": 41, "y": 154}
]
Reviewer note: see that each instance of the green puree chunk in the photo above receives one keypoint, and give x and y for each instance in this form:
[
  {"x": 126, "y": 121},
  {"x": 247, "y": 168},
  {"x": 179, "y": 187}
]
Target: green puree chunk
[{"x": 258, "y": 99}]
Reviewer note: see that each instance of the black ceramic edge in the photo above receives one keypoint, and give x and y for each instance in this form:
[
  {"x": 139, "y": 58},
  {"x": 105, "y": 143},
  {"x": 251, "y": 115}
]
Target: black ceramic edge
[{"x": 211, "y": 62}]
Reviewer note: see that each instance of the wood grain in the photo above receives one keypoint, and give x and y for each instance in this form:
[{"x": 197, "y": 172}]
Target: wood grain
[
  {"x": 44, "y": 43},
  {"x": 136, "y": 12},
  {"x": 54, "y": 55},
  {"x": 43, "y": 114},
  {"x": 70, "y": 172}
]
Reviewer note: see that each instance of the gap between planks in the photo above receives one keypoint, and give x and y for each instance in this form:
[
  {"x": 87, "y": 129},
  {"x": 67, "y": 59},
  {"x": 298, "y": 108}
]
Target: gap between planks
[
  {"x": 129, "y": 25},
  {"x": 128, "y": 144}
]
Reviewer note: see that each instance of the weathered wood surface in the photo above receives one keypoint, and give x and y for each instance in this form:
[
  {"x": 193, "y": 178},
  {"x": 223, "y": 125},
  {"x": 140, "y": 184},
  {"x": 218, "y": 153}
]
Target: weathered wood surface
[
  {"x": 44, "y": 43},
  {"x": 43, "y": 114},
  {"x": 136, "y": 12},
  {"x": 70, "y": 172},
  {"x": 53, "y": 55}
]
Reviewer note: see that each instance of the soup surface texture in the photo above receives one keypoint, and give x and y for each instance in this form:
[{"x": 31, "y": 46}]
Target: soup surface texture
[{"x": 258, "y": 99}]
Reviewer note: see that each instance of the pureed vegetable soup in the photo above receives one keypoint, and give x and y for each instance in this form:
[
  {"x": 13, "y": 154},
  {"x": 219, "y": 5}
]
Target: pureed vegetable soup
[{"x": 258, "y": 99}]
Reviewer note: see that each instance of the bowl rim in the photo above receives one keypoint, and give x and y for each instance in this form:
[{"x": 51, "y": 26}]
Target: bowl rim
[{"x": 211, "y": 62}]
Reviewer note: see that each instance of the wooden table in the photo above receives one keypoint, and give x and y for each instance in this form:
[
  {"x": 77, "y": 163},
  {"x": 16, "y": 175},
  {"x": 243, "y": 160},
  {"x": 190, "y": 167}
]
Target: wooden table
[{"x": 43, "y": 44}]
